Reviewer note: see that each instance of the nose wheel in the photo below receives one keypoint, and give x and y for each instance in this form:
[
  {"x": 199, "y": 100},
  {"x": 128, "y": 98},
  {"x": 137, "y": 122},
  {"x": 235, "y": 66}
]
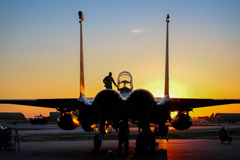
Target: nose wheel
[{"x": 97, "y": 142}]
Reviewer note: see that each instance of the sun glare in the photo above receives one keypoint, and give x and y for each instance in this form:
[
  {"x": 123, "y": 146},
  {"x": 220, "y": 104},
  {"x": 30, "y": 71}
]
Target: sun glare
[{"x": 173, "y": 114}]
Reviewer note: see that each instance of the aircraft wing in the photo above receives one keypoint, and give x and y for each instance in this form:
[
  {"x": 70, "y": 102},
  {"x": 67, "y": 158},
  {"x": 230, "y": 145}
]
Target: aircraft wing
[
  {"x": 71, "y": 103},
  {"x": 182, "y": 104}
]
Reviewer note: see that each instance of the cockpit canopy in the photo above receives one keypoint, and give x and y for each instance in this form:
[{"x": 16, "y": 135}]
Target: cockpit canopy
[{"x": 125, "y": 82}]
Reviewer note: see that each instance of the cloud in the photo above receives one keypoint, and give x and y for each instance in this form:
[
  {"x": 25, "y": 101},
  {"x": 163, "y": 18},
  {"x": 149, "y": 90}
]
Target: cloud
[
  {"x": 138, "y": 30},
  {"x": 134, "y": 30}
]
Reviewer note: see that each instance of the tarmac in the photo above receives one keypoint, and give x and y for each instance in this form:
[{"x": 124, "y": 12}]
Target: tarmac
[
  {"x": 76, "y": 150},
  {"x": 53, "y": 129},
  {"x": 167, "y": 150}
]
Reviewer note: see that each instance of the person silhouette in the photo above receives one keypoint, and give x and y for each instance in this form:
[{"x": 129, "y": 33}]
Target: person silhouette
[
  {"x": 123, "y": 136},
  {"x": 108, "y": 80}
]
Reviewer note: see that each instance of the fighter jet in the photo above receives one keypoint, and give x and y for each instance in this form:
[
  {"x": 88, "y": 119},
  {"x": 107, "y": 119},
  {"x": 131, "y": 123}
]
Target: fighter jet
[{"x": 109, "y": 106}]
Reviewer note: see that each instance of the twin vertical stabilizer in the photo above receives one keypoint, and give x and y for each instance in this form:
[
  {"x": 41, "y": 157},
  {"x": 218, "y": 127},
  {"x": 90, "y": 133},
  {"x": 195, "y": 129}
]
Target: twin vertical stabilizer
[{"x": 82, "y": 89}]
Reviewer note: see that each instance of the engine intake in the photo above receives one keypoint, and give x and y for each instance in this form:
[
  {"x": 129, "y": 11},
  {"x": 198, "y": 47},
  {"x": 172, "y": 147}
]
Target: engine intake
[
  {"x": 140, "y": 102},
  {"x": 108, "y": 102},
  {"x": 181, "y": 121},
  {"x": 67, "y": 121}
]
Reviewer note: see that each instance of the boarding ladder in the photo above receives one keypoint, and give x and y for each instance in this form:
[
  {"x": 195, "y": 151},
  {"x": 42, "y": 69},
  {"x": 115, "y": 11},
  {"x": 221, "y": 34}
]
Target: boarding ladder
[{"x": 13, "y": 142}]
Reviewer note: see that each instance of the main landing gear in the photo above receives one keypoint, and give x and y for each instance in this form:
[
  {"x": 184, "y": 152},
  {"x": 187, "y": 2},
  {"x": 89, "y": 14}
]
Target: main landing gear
[
  {"x": 98, "y": 137},
  {"x": 224, "y": 135}
]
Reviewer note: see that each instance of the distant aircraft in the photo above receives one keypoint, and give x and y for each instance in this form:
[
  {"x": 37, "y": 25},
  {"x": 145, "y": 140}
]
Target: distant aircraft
[{"x": 109, "y": 106}]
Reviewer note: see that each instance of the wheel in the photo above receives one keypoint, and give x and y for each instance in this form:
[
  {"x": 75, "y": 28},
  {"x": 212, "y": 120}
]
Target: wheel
[
  {"x": 97, "y": 142},
  {"x": 141, "y": 144},
  {"x": 152, "y": 141},
  {"x": 230, "y": 139},
  {"x": 223, "y": 135}
]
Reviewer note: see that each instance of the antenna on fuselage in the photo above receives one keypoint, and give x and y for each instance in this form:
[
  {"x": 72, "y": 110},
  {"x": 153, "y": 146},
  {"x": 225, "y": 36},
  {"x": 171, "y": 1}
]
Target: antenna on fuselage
[
  {"x": 82, "y": 90},
  {"x": 166, "y": 92}
]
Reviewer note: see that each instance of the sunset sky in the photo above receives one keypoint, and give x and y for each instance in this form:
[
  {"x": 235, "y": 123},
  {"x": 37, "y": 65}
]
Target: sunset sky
[{"x": 39, "y": 49}]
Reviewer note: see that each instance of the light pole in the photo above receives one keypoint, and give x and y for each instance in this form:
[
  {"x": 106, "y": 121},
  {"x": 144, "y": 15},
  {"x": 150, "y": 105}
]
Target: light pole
[
  {"x": 166, "y": 92},
  {"x": 82, "y": 91}
]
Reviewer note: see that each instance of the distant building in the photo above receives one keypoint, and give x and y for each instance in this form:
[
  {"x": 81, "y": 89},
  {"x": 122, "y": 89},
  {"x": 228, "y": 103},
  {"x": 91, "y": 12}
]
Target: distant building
[
  {"x": 225, "y": 117},
  {"x": 202, "y": 119},
  {"x": 6, "y": 116},
  {"x": 53, "y": 116}
]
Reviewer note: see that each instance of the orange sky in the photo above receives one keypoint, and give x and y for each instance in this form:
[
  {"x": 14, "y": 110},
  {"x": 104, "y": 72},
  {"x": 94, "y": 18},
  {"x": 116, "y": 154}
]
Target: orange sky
[{"x": 39, "y": 49}]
